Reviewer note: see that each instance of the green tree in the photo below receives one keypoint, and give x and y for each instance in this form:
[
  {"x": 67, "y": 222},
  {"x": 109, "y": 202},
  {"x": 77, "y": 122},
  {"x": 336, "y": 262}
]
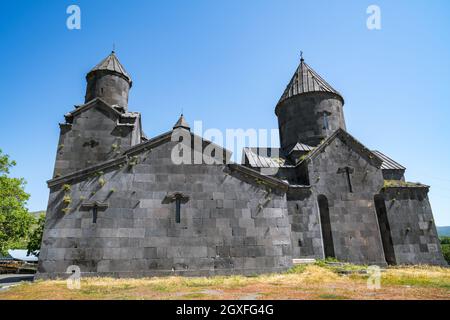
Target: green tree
[
  {"x": 15, "y": 220},
  {"x": 445, "y": 245},
  {"x": 35, "y": 239}
]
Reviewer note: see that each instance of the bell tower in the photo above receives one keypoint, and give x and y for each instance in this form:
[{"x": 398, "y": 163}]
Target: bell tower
[
  {"x": 102, "y": 128},
  {"x": 309, "y": 109},
  {"x": 110, "y": 81}
]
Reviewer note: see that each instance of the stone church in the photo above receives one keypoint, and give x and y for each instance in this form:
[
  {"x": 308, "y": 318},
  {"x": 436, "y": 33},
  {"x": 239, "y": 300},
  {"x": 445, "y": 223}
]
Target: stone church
[{"x": 120, "y": 206}]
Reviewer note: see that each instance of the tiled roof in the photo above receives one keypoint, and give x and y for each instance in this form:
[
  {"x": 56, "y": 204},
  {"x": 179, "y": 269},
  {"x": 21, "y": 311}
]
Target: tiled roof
[
  {"x": 264, "y": 158},
  {"x": 112, "y": 63},
  {"x": 388, "y": 163},
  {"x": 301, "y": 147},
  {"x": 304, "y": 80}
]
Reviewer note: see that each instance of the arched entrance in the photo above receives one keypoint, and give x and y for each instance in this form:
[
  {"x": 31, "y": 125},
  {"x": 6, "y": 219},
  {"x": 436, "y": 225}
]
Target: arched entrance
[
  {"x": 385, "y": 230},
  {"x": 327, "y": 236}
]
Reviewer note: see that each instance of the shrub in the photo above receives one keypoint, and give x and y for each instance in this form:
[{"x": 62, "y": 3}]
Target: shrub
[
  {"x": 101, "y": 182},
  {"x": 67, "y": 200},
  {"x": 445, "y": 245}
]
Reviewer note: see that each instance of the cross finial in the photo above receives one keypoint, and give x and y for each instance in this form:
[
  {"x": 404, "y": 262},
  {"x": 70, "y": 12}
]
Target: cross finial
[
  {"x": 301, "y": 56},
  {"x": 114, "y": 48}
]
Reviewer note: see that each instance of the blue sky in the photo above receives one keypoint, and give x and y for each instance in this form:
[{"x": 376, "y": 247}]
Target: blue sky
[{"x": 227, "y": 63}]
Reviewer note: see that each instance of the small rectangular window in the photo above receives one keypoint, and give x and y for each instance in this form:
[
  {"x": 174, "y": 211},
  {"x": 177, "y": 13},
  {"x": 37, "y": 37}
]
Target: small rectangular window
[
  {"x": 94, "y": 214},
  {"x": 325, "y": 121}
]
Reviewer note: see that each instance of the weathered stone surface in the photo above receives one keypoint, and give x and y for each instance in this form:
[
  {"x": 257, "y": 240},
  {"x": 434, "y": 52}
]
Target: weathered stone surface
[
  {"x": 113, "y": 201},
  {"x": 138, "y": 232}
]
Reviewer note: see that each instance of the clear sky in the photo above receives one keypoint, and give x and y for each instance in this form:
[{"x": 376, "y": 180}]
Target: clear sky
[{"x": 227, "y": 63}]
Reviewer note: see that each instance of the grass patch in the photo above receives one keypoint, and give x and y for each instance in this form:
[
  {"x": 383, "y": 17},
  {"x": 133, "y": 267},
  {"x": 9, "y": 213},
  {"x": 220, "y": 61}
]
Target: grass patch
[
  {"x": 419, "y": 276},
  {"x": 194, "y": 296},
  {"x": 313, "y": 281},
  {"x": 300, "y": 268}
]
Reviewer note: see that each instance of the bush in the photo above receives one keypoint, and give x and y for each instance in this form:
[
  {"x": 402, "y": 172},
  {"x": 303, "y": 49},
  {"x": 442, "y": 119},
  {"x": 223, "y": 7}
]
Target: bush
[
  {"x": 34, "y": 243},
  {"x": 445, "y": 245},
  {"x": 15, "y": 220}
]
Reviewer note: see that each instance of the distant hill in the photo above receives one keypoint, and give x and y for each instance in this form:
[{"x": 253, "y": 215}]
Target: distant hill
[
  {"x": 36, "y": 214},
  {"x": 443, "y": 231}
]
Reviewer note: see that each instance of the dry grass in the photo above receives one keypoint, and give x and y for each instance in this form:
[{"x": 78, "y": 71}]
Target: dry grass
[{"x": 303, "y": 282}]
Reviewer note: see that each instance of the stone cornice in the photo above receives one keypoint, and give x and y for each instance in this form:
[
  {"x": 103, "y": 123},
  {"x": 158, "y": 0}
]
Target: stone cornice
[{"x": 256, "y": 176}]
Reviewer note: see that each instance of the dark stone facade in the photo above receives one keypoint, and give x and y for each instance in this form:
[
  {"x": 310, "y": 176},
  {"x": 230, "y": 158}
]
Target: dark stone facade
[
  {"x": 93, "y": 133},
  {"x": 309, "y": 109},
  {"x": 229, "y": 225},
  {"x": 412, "y": 228},
  {"x": 120, "y": 206}
]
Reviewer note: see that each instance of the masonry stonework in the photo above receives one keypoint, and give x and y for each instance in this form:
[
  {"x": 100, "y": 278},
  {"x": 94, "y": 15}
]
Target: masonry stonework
[{"x": 120, "y": 205}]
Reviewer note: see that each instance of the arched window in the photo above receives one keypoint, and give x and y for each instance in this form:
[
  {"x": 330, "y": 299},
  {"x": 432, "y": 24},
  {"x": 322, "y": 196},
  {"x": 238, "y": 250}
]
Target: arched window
[
  {"x": 326, "y": 125},
  {"x": 325, "y": 222}
]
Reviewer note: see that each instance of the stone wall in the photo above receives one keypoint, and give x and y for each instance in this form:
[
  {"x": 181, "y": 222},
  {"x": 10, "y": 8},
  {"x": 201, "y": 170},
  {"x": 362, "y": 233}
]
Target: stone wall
[
  {"x": 354, "y": 226},
  {"x": 228, "y": 225},
  {"x": 305, "y": 224},
  {"x": 300, "y": 118},
  {"x": 110, "y": 87},
  {"x": 413, "y": 231},
  {"x": 93, "y": 136}
]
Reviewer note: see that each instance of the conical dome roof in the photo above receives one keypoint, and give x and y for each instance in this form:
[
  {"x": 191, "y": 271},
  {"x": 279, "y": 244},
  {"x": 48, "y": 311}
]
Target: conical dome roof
[
  {"x": 182, "y": 123},
  {"x": 111, "y": 63},
  {"x": 305, "y": 80}
]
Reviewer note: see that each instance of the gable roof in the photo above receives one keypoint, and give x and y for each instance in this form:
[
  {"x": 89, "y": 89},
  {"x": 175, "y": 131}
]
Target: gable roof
[
  {"x": 124, "y": 118},
  {"x": 388, "y": 163},
  {"x": 90, "y": 104},
  {"x": 301, "y": 147},
  {"x": 154, "y": 142},
  {"x": 350, "y": 141},
  {"x": 111, "y": 63},
  {"x": 264, "y": 158},
  {"x": 305, "y": 80},
  {"x": 127, "y": 154}
]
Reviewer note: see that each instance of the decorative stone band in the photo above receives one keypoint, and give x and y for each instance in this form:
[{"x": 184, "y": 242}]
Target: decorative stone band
[
  {"x": 111, "y": 163},
  {"x": 419, "y": 192},
  {"x": 83, "y": 172},
  {"x": 152, "y": 143},
  {"x": 123, "y": 119}
]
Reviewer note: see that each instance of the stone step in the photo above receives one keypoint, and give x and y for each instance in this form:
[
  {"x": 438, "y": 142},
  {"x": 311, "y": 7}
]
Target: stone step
[{"x": 303, "y": 261}]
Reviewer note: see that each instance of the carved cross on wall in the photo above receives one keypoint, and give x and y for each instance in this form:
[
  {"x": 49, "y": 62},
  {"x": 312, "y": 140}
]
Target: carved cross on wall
[
  {"x": 348, "y": 171},
  {"x": 95, "y": 206},
  {"x": 178, "y": 198}
]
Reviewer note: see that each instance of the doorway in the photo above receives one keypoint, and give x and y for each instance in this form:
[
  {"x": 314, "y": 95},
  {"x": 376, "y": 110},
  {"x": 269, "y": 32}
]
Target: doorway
[
  {"x": 327, "y": 235},
  {"x": 385, "y": 230}
]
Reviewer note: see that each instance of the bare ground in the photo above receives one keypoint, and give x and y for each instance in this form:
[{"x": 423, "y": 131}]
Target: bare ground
[{"x": 317, "y": 281}]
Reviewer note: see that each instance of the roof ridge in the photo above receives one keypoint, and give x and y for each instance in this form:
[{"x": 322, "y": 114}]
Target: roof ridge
[{"x": 372, "y": 157}]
